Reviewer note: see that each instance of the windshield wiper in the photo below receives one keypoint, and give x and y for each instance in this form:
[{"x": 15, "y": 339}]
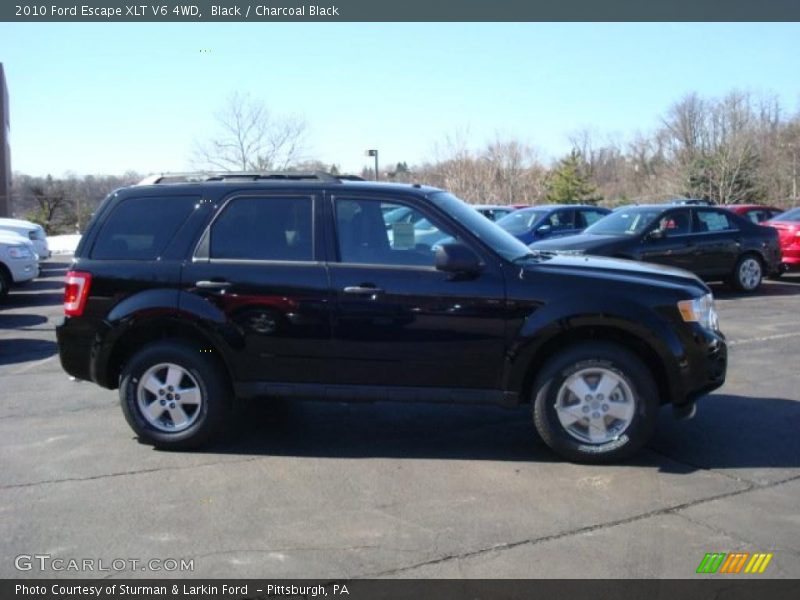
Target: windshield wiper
[{"x": 533, "y": 255}]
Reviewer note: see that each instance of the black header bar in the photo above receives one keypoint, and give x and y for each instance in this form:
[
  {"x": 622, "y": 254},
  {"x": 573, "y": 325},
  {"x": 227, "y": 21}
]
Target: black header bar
[{"x": 147, "y": 11}]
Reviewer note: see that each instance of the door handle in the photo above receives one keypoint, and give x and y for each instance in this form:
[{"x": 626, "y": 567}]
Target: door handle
[
  {"x": 213, "y": 285},
  {"x": 360, "y": 290}
]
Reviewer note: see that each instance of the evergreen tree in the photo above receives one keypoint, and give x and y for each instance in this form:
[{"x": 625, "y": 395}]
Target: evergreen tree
[{"x": 568, "y": 184}]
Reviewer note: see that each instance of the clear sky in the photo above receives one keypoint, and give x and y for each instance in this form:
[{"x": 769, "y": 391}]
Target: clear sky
[{"x": 106, "y": 98}]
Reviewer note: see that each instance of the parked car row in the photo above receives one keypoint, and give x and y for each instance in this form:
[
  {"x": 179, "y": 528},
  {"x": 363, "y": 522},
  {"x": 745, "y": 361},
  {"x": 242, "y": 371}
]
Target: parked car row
[
  {"x": 740, "y": 244},
  {"x": 22, "y": 245}
]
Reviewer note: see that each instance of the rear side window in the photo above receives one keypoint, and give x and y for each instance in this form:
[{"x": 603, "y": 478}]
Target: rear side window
[
  {"x": 141, "y": 228},
  {"x": 712, "y": 220},
  {"x": 254, "y": 228}
]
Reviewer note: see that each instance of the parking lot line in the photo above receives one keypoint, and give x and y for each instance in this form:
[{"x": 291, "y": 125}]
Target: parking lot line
[
  {"x": 767, "y": 338},
  {"x": 32, "y": 365}
]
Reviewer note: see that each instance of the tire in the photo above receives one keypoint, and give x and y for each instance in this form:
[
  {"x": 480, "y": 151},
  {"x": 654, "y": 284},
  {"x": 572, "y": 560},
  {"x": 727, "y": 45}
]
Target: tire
[
  {"x": 616, "y": 425},
  {"x": 154, "y": 376},
  {"x": 5, "y": 282},
  {"x": 748, "y": 273}
]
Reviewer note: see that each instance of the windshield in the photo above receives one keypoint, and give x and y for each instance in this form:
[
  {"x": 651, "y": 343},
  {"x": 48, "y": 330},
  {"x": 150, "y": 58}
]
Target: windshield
[
  {"x": 521, "y": 221},
  {"x": 505, "y": 244},
  {"x": 789, "y": 215},
  {"x": 625, "y": 221}
]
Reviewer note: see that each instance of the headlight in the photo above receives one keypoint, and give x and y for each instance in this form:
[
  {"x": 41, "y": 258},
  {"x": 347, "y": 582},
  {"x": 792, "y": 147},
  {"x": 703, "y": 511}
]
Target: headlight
[
  {"x": 700, "y": 310},
  {"x": 19, "y": 252}
]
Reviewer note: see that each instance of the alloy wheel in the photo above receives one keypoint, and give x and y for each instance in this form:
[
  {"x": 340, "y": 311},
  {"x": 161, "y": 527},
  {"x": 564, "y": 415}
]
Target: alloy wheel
[
  {"x": 595, "y": 405},
  {"x": 169, "y": 397}
]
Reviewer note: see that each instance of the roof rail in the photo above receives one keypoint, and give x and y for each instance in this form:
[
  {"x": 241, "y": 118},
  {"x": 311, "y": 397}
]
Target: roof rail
[{"x": 246, "y": 175}]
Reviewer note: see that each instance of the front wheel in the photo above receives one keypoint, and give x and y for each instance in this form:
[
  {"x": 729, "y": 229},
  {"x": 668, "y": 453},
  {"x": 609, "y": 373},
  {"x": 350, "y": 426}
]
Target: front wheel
[
  {"x": 173, "y": 396},
  {"x": 595, "y": 403},
  {"x": 748, "y": 273}
]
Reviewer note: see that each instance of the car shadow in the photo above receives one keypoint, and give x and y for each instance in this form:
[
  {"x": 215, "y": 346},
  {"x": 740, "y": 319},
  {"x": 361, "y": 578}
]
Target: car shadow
[
  {"x": 12, "y": 321},
  {"x": 18, "y": 298},
  {"x": 728, "y": 432},
  {"x": 785, "y": 286},
  {"x": 21, "y": 350},
  {"x": 734, "y": 432}
]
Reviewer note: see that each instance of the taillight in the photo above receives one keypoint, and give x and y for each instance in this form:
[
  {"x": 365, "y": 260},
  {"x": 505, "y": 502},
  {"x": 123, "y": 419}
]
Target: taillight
[{"x": 76, "y": 290}]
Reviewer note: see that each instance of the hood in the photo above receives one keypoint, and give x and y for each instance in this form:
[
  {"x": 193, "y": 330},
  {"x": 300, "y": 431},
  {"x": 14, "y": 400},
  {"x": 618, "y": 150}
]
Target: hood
[
  {"x": 617, "y": 269},
  {"x": 581, "y": 241},
  {"x": 18, "y": 223},
  {"x": 10, "y": 237}
]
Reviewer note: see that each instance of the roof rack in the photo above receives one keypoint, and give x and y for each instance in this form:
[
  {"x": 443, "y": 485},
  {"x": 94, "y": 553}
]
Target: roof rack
[{"x": 201, "y": 176}]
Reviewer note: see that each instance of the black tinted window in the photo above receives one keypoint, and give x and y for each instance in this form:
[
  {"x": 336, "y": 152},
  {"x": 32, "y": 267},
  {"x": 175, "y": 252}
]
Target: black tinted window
[
  {"x": 264, "y": 229},
  {"x": 141, "y": 228}
]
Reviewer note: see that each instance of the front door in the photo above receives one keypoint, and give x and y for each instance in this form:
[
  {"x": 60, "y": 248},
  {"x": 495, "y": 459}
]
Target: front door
[
  {"x": 399, "y": 321},
  {"x": 675, "y": 247}
]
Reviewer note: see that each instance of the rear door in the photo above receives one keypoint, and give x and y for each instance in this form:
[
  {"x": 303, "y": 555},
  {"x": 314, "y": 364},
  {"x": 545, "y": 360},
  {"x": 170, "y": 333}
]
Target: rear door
[
  {"x": 258, "y": 263},
  {"x": 399, "y": 321},
  {"x": 718, "y": 241}
]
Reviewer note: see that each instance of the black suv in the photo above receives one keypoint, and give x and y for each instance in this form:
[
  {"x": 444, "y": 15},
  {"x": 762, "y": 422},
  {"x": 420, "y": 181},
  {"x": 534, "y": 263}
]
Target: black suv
[{"x": 189, "y": 296}]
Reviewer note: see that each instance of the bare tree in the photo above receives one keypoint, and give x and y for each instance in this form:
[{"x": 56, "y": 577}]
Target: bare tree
[{"x": 249, "y": 137}]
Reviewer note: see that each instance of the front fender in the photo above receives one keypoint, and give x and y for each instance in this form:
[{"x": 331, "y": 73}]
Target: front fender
[{"x": 598, "y": 316}]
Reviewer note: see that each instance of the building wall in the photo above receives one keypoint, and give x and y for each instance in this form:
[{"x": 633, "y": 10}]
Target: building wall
[{"x": 5, "y": 149}]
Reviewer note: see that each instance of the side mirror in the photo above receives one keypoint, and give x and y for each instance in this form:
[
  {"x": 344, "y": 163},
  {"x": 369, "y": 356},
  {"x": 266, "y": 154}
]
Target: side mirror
[
  {"x": 457, "y": 258},
  {"x": 545, "y": 229},
  {"x": 656, "y": 234}
]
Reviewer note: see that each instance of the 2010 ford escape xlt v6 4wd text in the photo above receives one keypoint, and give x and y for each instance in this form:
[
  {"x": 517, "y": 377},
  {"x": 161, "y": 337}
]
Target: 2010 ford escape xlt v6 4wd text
[{"x": 189, "y": 295}]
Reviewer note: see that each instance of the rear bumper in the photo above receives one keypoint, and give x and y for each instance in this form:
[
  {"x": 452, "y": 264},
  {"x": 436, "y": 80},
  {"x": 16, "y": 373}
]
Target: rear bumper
[
  {"x": 75, "y": 348},
  {"x": 791, "y": 259}
]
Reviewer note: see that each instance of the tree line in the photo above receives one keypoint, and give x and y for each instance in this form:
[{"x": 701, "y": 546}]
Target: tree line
[{"x": 737, "y": 148}]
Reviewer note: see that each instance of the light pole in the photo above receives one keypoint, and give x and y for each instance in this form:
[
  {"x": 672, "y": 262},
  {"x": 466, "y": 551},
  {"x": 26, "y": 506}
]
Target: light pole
[
  {"x": 794, "y": 175},
  {"x": 374, "y": 153}
]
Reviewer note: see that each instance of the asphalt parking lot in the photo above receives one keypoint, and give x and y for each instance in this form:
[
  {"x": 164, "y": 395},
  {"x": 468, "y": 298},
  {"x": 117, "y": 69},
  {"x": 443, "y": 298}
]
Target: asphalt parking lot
[{"x": 318, "y": 490}]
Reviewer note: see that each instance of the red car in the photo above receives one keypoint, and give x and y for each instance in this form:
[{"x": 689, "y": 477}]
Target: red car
[
  {"x": 757, "y": 213},
  {"x": 788, "y": 226}
]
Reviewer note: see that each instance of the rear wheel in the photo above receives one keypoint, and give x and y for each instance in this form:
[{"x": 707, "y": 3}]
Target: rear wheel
[
  {"x": 748, "y": 273},
  {"x": 173, "y": 396},
  {"x": 595, "y": 403}
]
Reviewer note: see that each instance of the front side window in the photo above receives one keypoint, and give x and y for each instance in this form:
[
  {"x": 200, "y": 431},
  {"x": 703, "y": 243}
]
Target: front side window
[
  {"x": 676, "y": 223},
  {"x": 256, "y": 228},
  {"x": 561, "y": 220},
  {"x": 367, "y": 233},
  {"x": 141, "y": 228}
]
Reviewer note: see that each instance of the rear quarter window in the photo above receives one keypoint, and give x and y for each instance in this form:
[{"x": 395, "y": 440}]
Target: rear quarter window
[{"x": 141, "y": 228}]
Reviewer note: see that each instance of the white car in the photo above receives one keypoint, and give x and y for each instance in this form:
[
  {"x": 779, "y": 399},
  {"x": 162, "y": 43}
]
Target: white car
[
  {"x": 32, "y": 231},
  {"x": 18, "y": 260}
]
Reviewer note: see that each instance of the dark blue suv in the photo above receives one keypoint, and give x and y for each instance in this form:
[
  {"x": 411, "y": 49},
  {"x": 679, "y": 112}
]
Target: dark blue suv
[{"x": 530, "y": 225}]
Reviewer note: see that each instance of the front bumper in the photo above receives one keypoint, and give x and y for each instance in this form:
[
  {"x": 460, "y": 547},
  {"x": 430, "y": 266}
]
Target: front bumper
[
  {"x": 23, "y": 270},
  {"x": 703, "y": 368}
]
